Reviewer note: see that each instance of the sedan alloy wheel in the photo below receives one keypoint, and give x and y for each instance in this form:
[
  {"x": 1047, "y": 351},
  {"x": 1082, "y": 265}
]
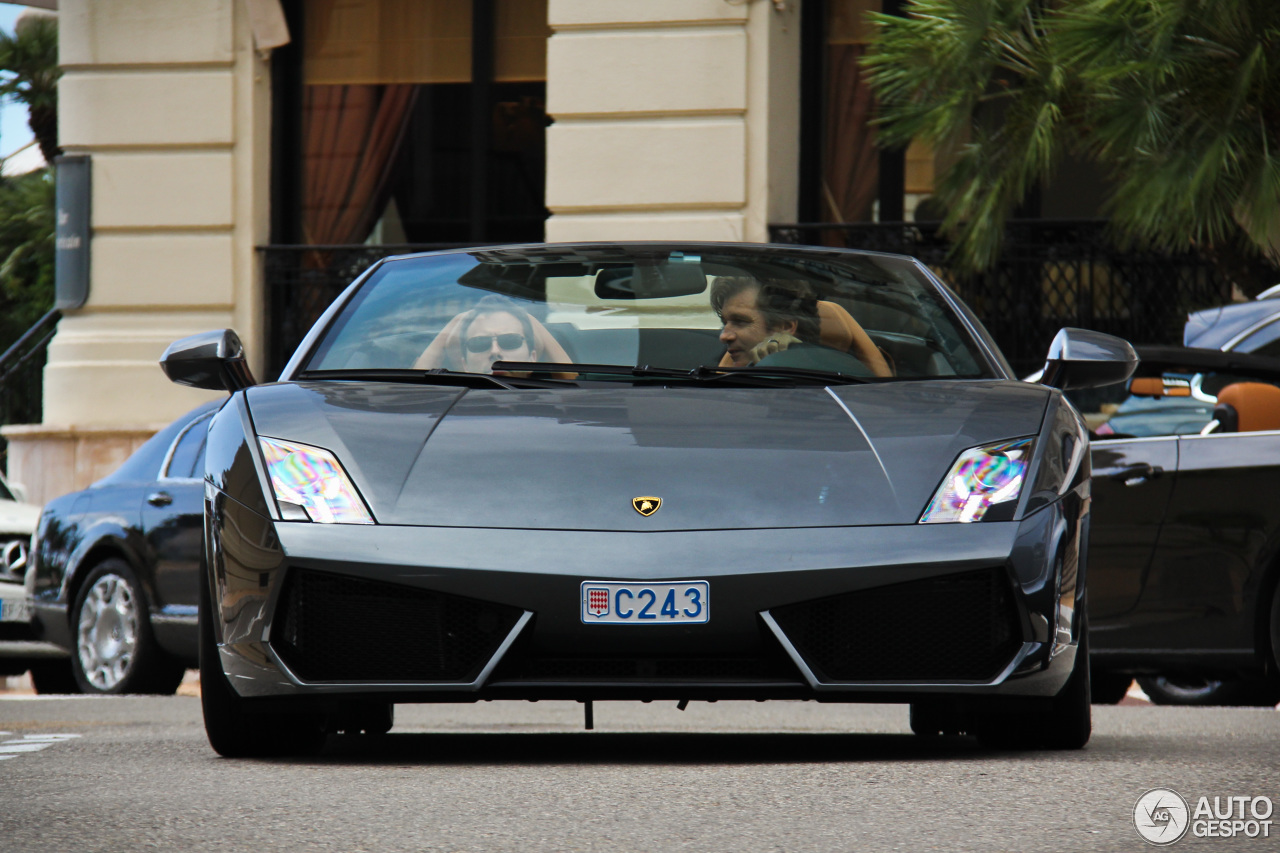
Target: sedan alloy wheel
[
  {"x": 107, "y": 632},
  {"x": 115, "y": 650}
]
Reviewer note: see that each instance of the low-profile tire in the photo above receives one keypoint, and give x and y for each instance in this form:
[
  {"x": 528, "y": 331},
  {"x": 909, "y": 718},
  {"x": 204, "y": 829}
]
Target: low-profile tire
[
  {"x": 54, "y": 677},
  {"x": 114, "y": 649},
  {"x": 1066, "y": 723},
  {"x": 235, "y": 731},
  {"x": 1108, "y": 688},
  {"x": 1200, "y": 691}
]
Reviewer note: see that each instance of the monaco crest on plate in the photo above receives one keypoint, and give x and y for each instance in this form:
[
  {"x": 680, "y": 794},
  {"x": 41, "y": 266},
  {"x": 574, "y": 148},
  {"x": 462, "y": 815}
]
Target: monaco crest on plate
[
  {"x": 598, "y": 602},
  {"x": 646, "y": 506}
]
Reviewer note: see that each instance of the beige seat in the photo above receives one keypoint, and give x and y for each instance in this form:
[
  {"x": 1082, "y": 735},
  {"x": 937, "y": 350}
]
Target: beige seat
[
  {"x": 1248, "y": 407},
  {"x": 837, "y": 329}
]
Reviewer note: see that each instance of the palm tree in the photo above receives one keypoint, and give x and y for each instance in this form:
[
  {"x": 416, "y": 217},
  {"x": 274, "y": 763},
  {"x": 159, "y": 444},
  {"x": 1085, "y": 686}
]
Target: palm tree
[
  {"x": 26, "y": 251},
  {"x": 29, "y": 74},
  {"x": 1177, "y": 102}
]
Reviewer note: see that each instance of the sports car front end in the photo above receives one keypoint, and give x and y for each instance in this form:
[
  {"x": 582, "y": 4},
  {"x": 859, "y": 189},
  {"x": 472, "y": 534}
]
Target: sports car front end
[{"x": 615, "y": 530}]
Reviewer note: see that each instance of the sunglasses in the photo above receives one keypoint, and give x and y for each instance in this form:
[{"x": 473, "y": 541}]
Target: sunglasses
[{"x": 483, "y": 343}]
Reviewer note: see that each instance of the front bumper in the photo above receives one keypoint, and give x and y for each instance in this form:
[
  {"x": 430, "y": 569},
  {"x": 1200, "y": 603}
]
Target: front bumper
[
  {"x": 342, "y": 611},
  {"x": 15, "y": 605},
  {"x": 20, "y": 639}
]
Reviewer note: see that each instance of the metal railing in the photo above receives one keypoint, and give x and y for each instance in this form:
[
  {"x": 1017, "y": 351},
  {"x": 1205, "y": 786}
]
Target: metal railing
[
  {"x": 1052, "y": 273},
  {"x": 22, "y": 376}
]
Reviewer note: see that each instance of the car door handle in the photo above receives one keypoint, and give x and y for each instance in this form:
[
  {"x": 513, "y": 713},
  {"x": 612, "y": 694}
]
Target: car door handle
[
  {"x": 1134, "y": 475},
  {"x": 159, "y": 498}
]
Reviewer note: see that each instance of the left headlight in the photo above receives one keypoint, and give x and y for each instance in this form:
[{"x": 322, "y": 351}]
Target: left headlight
[
  {"x": 982, "y": 477},
  {"x": 313, "y": 479}
]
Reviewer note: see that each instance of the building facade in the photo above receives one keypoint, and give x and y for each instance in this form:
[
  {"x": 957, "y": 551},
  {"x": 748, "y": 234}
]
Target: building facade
[{"x": 217, "y": 128}]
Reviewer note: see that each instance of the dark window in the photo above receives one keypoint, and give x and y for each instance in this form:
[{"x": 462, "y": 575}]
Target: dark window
[
  {"x": 844, "y": 176},
  {"x": 189, "y": 450},
  {"x": 417, "y": 121}
]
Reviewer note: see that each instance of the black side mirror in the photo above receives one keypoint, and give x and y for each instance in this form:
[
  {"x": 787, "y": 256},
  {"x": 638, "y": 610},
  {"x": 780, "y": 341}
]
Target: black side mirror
[
  {"x": 1079, "y": 358},
  {"x": 213, "y": 360}
]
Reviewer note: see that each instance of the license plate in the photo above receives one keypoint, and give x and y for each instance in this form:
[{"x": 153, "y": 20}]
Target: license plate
[
  {"x": 15, "y": 610},
  {"x": 680, "y": 603}
]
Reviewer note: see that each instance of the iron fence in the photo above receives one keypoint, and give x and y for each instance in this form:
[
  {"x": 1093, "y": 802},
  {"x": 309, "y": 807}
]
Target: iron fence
[{"x": 1052, "y": 273}]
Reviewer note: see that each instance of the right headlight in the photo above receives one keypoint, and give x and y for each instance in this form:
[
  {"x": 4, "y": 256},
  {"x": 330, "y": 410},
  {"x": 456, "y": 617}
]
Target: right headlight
[
  {"x": 313, "y": 479},
  {"x": 982, "y": 477}
]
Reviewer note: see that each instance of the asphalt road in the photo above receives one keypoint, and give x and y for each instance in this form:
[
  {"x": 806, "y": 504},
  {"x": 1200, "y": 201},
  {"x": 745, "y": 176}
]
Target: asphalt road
[{"x": 135, "y": 773}]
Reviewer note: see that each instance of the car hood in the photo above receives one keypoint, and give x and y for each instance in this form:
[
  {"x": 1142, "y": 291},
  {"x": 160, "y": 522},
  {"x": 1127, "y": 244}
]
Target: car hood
[{"x": 718, "y": 458}]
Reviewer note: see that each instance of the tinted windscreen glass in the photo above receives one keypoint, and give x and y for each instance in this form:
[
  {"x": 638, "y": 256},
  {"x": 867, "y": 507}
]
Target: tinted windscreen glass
[{"x": 652, "y": 306}]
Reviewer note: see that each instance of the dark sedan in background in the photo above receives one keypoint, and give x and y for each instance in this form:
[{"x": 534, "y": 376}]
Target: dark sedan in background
[
  {"x": 116, "y": 567},
  {"x": 1184, "y": 559}
]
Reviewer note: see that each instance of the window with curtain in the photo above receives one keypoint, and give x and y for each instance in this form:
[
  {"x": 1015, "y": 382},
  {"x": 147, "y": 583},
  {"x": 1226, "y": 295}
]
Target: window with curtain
[
  {"x": 848, "y": 180},
  {"x": 850, "y": 165},
  {"x": 387, "y": 131}
]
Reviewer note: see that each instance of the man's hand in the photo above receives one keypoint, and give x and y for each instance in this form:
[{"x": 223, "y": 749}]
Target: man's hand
[{"x": 776, "y": 342}]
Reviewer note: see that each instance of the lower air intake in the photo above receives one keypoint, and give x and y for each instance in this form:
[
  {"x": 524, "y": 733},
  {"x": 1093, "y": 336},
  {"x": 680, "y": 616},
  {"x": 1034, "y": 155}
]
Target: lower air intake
[
  {"x": 962, "y": 627},
  {"x": 336, "y": 628},
  {"x": 701, "y": 670}
]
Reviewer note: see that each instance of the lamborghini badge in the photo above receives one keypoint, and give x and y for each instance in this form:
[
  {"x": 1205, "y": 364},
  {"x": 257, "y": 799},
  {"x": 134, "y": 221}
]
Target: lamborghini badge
[{"x": 646, "y": 506}]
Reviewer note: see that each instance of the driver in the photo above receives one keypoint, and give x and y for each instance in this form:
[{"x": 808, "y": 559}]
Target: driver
[{"x": 760, "y": 319}]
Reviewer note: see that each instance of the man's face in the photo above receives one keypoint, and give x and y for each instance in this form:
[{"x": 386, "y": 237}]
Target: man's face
[
  {"x": 744, "y": 326},
  {"x": 497, "y": 336}
]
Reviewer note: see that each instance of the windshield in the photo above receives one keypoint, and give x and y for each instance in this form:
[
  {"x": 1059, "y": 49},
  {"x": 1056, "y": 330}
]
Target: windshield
[{"x": 656, "y": 308}]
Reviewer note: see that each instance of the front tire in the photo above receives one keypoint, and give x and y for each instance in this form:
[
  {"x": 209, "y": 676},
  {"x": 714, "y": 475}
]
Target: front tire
[
  {"x": 235, "y": 731},
  {"x": 1066, "y": 724},
  {"x": 115, "y": 651}
]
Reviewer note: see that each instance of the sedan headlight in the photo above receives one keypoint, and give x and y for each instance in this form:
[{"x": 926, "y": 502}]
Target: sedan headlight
[
  {"x": 312, "y": 479},
  {"x": 982, "y": 477}
]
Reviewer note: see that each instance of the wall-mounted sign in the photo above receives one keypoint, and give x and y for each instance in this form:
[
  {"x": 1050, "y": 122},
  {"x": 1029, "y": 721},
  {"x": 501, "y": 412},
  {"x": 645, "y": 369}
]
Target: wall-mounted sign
[{"x": 71, "y": 232}]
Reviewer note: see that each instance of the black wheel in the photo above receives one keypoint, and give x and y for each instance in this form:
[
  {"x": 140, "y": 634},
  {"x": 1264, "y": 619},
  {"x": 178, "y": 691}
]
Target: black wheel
[
  {"x": 1067, "y": 723},
  {"x": 115, "y": 650},
  {"x": 235, "y": 731},
  {"x": 1197, "y": 690},
  {"x": 1108, "y": 688},
  {"x": 53, "y": 676}
]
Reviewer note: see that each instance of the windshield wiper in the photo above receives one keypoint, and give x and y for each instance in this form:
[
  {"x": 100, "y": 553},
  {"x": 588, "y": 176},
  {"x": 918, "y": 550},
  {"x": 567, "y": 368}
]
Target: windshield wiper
[
  {"x": 609, "y": 369},
  {"x": 826, "y": 377},
  {"x": 434, "y": 376},
  {"x": 702, "y": 373}
]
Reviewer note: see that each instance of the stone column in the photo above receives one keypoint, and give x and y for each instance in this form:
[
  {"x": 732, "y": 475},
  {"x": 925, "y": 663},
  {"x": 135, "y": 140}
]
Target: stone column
[
  {"x": 674, "y": 119},
  {"x": 172, "y": 103}
]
